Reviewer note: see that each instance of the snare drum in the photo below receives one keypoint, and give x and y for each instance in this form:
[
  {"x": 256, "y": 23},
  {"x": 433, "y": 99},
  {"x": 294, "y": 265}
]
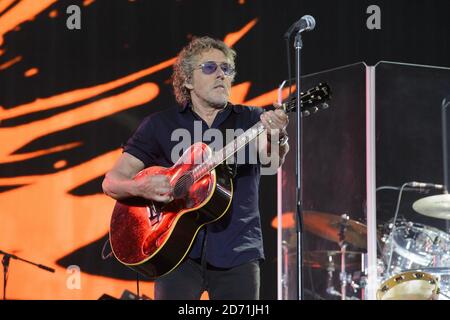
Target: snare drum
[{"x": 412, "y": 285}]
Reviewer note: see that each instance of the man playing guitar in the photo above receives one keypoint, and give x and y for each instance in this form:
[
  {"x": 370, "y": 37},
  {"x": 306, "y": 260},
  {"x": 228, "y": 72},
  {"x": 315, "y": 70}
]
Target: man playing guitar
[{"x": 225, "y": 254}]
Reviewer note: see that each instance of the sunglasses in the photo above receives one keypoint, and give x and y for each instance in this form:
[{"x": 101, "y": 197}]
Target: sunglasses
[{"x": 209, "y": 67}]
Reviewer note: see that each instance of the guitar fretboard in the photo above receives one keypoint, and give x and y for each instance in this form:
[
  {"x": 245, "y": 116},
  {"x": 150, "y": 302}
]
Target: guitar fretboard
[{"x": 229, "y": 150}]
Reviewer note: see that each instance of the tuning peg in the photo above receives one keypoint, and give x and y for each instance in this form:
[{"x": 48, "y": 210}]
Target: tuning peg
[{"x": 324, "y": 105}]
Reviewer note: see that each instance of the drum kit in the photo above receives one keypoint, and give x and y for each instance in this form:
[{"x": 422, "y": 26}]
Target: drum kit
[{"x": 413, "y": 258}]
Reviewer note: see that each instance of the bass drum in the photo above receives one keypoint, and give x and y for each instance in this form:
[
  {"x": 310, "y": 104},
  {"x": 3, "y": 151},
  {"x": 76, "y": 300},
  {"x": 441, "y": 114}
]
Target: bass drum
[{"x": 415, "y": 246}]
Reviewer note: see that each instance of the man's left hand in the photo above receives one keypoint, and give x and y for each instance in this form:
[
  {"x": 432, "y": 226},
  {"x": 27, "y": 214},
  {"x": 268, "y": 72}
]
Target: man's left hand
[{"x": 275, "y": 121}]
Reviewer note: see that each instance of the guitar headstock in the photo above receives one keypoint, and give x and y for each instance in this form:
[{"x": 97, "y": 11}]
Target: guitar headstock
[{"x": 313, "y": 100}]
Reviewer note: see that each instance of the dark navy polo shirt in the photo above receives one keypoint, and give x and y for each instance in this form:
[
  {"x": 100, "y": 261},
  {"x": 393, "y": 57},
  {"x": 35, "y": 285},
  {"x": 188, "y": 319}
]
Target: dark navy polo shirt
[{"x": 236, "y": 238}]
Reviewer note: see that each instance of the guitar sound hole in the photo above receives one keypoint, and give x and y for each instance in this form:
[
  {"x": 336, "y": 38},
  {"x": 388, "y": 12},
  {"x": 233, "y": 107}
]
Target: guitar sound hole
[{"x": 182, "y": 186}]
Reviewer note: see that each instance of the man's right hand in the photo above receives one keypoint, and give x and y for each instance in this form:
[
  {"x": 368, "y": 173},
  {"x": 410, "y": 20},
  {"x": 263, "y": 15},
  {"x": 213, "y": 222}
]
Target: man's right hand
[
  {"x": 119, "y": 183},
  {"x": 155, "y": 187}
]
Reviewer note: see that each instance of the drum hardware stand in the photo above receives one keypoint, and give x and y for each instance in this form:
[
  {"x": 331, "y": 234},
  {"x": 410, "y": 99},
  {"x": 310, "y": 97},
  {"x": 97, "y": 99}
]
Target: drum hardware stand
[
  {"x": 5, "y": 261},
  {"x": 343, "y": 245},
  {"x": 284, "y": 282},
  {"x": 436, "y": 252},
  {"x": 330, "y": 270},
  {"x": 354, "y": 286},
  {"x": 363, "y": 277}
]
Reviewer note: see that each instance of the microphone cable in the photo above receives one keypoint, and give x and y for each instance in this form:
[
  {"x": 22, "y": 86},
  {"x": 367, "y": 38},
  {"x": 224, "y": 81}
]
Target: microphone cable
[{"x": 399, "y": 198}]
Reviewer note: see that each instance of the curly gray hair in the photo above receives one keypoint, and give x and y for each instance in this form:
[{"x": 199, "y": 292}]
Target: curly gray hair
[{"x": 187, "y": 61}]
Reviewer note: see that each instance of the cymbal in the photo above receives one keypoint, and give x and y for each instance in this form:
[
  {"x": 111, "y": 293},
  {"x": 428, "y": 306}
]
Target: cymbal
[
  {"x": 437, "y": 206},
  {"x": 323, "y": 259},
  {"x": 327, "y": 226}
]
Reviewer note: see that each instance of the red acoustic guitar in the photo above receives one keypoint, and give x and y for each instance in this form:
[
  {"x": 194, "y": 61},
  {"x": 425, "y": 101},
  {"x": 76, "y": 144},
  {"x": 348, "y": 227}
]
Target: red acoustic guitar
[{"x": 154, "y": 238}]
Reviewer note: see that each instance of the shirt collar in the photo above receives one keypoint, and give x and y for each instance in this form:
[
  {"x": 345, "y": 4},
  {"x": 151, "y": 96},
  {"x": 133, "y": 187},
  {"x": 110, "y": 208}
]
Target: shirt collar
[{"x": 187, "y": 105}]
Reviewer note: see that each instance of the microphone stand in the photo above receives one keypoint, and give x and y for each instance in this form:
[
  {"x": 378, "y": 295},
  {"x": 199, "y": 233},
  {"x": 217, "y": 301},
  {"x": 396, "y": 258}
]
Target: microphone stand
[
  {"x": 5, "y": 261},
  {"x": 304, "y": 24},
  {"x": 298, "y": 44}
]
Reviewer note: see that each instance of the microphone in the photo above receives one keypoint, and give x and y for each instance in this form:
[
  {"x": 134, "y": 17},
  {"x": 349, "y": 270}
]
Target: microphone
[
  {"x": 306, "y": 23},
  {"x": 416, "y": 184}
]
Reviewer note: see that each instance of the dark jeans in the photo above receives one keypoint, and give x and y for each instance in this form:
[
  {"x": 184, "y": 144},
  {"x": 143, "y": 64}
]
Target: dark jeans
[{"x": 189, "y": 280}]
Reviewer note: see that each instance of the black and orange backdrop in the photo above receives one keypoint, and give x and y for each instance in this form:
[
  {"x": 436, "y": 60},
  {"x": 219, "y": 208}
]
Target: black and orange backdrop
[{"x": 70, "y": 98}]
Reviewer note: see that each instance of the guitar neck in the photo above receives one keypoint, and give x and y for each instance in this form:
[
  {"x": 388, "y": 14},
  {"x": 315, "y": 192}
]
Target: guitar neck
[
  {"x": 228, "y": 151},
  {"x": 311, "y": 102}
]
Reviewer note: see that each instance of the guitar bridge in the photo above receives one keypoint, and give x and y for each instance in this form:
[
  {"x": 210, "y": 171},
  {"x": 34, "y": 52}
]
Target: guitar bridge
[{"x": 153, "y": 214}]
